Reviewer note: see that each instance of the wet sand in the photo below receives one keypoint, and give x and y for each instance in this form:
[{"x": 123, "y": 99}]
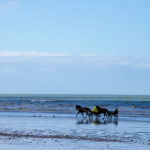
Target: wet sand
[
  {"x": 63, "y": 144},
  {"x": 43, "y": 122},
  {"x": 58, "y": 131}
]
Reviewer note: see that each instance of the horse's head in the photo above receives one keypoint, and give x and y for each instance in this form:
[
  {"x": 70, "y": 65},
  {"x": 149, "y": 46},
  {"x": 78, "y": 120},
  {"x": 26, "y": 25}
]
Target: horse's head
[
  {"x": 77, "y": 107},
  {"x": 116, "y": 110},
  {"x": 98, "y": 107}
]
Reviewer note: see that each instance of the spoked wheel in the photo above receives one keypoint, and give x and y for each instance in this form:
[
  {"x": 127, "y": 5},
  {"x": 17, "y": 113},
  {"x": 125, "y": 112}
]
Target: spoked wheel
[{"x": 84, "y": 115}]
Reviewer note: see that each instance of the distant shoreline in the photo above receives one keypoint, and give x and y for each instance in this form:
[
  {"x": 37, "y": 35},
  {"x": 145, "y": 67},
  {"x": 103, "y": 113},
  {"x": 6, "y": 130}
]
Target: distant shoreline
[{"x": 79, "y": 94}]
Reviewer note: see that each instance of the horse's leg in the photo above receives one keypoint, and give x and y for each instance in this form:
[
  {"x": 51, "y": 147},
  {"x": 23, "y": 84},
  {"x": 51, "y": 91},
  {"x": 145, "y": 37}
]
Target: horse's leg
[
  {"x": 86, "y": 114},
  {"x": 82, "y": 114},
  {"x": 90, "y": 114},
  {"x": 104, "y": 115},
  {"x": 109, "y": 114},
  {"x": 98, "y": 115},
  {"x": 77, "y": 114},
  {"x": 90, "y": 117}
]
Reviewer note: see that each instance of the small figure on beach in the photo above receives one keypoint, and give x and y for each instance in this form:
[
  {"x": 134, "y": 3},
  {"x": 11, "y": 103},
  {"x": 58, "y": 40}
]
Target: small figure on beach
[
  {"x": 115, "y": 113},
  {"x": 97, "y": 111},
  {"x": 83, "y": 110}
]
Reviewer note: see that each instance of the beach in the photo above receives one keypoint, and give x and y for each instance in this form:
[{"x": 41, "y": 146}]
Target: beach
[
  {"x": 74, "y": 75},
  {"x": 42, "y": 123}
]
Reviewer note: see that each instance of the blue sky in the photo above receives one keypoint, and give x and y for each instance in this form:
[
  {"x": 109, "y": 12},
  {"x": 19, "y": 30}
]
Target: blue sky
[{"x": 81, "y": 46}]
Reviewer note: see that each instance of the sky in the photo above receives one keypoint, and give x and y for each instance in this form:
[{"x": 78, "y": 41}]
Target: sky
[{"x": 74, "y": 47}]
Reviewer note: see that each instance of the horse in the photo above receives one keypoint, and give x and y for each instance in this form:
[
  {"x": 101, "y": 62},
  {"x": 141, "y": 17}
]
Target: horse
[
  {"x": 83, "y": 110},
  {"x": 114, "y": 113},
  {"x": 103, "y": 111}
]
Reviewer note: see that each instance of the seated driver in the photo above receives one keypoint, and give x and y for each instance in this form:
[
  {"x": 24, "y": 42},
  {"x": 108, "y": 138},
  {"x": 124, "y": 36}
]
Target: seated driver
[{"x": 95, "y": 110}]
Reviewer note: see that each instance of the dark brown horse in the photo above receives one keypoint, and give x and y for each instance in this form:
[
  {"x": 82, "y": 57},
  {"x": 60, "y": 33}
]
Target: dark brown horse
[
  {"x": 83, "y": 110},
  {"x": 104, "y": 111},
  {"x": 114, "y": 113}
]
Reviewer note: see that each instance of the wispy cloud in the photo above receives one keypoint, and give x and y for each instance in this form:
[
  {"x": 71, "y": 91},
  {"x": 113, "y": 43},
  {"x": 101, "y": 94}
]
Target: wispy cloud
[
  {"x": 96, "y": 60},
  {"x": 31, "y": 54},
  {"x": 49, "y": 54}
]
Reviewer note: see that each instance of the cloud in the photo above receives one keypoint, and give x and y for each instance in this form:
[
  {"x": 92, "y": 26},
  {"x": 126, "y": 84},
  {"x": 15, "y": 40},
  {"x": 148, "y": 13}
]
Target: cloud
[
  {"x": 30, "y": 54},
  {"x": 96, "y": 60},
  {"x": 48, "y": 54}
]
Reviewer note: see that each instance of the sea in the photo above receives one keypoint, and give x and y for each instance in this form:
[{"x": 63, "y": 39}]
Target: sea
[
  {"x": 54, "y": 116},
  {"x": 128, "y": 105}
]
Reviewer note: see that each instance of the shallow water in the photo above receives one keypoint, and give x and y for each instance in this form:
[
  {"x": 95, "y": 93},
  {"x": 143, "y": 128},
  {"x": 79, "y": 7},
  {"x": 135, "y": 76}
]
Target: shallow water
[
  {"x": 69, "y": 127},
  {"x": 53, "y": 117},
  {"x": 61, "y": 144},
  {"x": 130, "y": 106}
]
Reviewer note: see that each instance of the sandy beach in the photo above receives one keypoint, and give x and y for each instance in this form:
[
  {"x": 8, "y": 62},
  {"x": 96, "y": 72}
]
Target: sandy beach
[
  {"x": 61, "y": 144},
  {"x": 39, "y": 132},
  {"x": 74, "y": 75},
  {"x": 49, "y": 122}
]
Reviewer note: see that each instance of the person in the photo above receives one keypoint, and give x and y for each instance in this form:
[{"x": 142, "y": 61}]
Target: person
[
  {"x": 116, "y": 111},
  {"x": 95, "y": 110}
]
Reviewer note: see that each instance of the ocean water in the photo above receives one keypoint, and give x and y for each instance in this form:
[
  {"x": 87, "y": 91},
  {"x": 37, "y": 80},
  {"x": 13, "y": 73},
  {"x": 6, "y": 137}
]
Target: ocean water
[
  {"x": 54, "y": 116},
  {"x": 129, "y": 105}
]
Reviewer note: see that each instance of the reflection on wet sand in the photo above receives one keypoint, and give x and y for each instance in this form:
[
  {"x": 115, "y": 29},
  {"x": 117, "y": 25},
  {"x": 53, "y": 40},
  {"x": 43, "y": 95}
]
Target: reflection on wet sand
[{"x": 97, "y": 121}]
